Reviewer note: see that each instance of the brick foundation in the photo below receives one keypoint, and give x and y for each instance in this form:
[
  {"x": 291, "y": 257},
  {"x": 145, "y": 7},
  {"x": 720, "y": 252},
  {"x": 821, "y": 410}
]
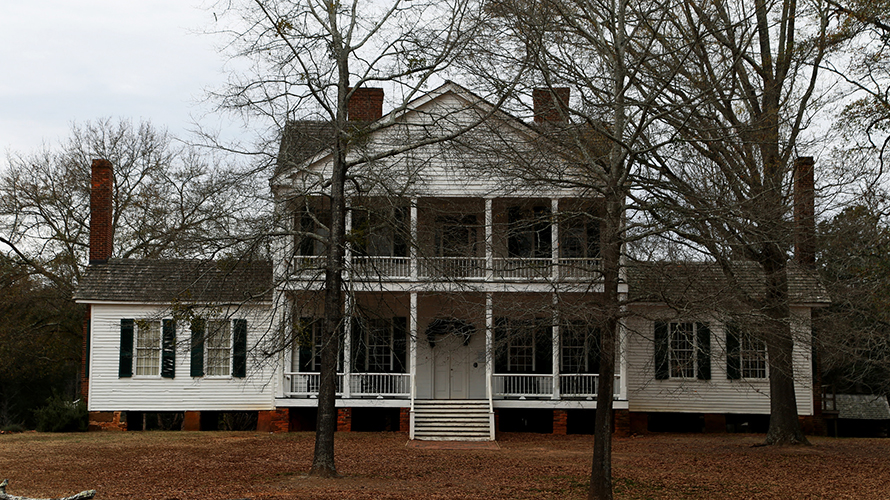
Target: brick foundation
[
  {"x": 639, "y": 422},
  {"x": 191, "y": 421},
  {"x": 344, "y": 419},
  {"x": 560, "y": 422},
  {"x": 404, "y": 419},
  {"x": 715, "y": 423},
  {"x": 621, "y": 423},
  {"x": 107, "y": 421},
  {"x": 277, "y": 420}
]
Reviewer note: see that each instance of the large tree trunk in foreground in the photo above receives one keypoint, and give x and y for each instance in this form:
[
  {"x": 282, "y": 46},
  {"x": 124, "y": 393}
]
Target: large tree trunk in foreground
[{"x": 83, "y": 495}]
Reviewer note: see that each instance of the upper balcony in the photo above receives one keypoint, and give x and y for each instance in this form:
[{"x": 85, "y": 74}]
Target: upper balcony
[{"x": 466, "y": 239}]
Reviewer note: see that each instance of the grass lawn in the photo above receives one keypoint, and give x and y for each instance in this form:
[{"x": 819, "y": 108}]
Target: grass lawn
[{"x": 236, "y": 465}]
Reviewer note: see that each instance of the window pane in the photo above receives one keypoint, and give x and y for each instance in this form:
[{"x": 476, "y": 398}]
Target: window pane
[
  {"x": 682, "y": 349},
  {"x": 218, "y": 348},
  {"x": 148, "y": 347}
]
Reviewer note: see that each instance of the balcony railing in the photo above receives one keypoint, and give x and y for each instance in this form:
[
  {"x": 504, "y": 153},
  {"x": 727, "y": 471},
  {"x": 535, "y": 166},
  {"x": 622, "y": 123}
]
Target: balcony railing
[
  {"x": 452, "y": 267},
  {"x": 381, "y": 267},
  {"x": 461, "y": 268},
  {"x": 306, "y": 384}
]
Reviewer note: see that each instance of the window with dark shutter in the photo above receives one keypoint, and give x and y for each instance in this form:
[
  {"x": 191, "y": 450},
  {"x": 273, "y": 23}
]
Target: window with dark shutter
[
  {"x": 168, "y": 349},
  {"x": 197, "y": 348},
  {"x": 125, "y": 364},
  {"x": 239, "y": 348},
  {"x": 733, "y": 353},
  {"x": 400, "y": 344}
]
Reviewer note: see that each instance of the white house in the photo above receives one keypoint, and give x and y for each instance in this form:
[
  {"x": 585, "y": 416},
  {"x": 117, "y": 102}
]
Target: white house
[{"x": 472, "y": 291}]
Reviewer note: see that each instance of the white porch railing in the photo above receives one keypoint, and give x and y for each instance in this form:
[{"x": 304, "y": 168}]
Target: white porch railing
[
  {"x": 307, "y": 383},
  {"x": 522, "y": 385},
  {"x": 579, "y": 385},
  {"x": 384, "y": 267},
  {"x": 309, "y": 265},
  {"x": 380, "y": 384},
  {"x": 452, "y": 267},
  {"x": 523, "y": 268}
]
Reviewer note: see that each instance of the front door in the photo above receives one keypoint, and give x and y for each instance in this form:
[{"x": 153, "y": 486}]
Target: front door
[{"x": 452, "y": 366}]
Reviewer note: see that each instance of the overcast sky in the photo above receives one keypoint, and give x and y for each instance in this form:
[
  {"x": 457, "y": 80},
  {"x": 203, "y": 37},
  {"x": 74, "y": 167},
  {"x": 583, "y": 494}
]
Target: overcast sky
[{"x": 63, "y": 61}]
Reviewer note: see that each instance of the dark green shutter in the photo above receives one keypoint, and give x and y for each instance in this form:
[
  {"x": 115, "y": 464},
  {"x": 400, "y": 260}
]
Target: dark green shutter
[
  {"x": 593, "y": 349},
  {"x": 733, "y": 353},
  {"x": 662, "y": 370},
  {"x": 703, "y": 351},
  {"x": 125, "y": 366},
  {"x": 168, "y": 349},
  {"x": 542, "y": 338},
  {"x": 197, "y": 351},
  {"x": 401, "y": 230},
  {"x": 239, "y": 348},
  {"x": 86, "y": 359},
  {"x": 400, "y": 344},
  {"x": 501, "y": 339}
]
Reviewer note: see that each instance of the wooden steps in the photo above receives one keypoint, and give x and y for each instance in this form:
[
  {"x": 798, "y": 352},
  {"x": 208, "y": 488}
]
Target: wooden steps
[{"x": 452, "y": 420}]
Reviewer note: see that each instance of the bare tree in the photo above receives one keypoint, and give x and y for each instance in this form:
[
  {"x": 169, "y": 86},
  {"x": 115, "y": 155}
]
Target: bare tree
[
  {"x": 745, "y": 87},
  {"x": 313, "y": 57}
]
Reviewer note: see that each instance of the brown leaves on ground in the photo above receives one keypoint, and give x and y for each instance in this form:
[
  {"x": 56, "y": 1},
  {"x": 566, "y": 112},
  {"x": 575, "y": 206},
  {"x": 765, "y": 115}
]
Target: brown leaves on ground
[{"x": 225, "y": 465}]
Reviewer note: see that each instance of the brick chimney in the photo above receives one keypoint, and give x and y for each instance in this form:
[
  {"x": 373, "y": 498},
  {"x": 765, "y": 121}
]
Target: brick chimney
[
  {"x": 548, "y": 109},
  {"x": 365, "y": 105},
  {"x": 804, "y": 212},
  {"x": 101, "y": 230}
]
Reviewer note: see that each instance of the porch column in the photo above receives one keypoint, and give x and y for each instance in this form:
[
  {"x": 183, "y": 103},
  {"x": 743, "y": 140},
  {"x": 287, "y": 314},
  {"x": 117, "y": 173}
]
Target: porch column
[
  {"x": 622, "y": 356},
  {"x": 555, "y": 339},
  {"x": 554, "y": 237},
  {"x": 489, "y": 360},
  {"x": 489, "y": 244},
  {"x": 412, "y": 358},
  {"x": 413, "y": 246},
  {"x": 347, "y": 253},
  {"x": 347, "y": 344}
]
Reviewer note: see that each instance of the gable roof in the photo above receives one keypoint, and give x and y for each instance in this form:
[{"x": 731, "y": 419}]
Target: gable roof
[
  {"x": 703, "y": 284},
  {"x": 163, "y": 281},
  {"x": 862, "y": 406}
]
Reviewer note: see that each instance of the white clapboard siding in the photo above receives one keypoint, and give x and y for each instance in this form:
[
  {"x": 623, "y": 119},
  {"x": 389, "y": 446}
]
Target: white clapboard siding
[
  {"x": 717, "y": 395},
  {"x": 108, "y": 392}
]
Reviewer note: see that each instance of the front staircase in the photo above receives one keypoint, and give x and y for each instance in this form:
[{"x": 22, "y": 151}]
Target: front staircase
[{"x": 452, "y": 420}]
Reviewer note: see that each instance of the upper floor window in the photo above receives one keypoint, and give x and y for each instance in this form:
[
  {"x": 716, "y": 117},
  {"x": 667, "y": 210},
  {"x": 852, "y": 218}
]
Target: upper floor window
[
  {"x": 381, "y": 232},
  {"x": 529, "y": 232},
  {"x": 682, "y": 350},
  {"x": 580, "y": 237},
  {"x": 457, "y": 236},
  {"x": 311, "y": 230}
]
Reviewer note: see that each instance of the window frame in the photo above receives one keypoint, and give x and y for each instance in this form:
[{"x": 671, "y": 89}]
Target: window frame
[
  {"x": 213, "y": 335},
  {"x": 140, "y": 327},
  {"x": 698, "y": 359}
]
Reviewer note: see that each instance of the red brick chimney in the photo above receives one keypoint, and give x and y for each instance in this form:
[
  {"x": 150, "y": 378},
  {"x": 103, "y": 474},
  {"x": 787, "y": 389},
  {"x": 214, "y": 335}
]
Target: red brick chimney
[
  {"x": 365, "y": 105},
  {"x": 550, "y": 104},
  {"x": 101, "y": 229},
  {"x": 804, "y": 212}
]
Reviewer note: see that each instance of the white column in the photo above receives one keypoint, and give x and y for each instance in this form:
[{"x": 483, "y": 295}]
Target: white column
[
  {"x": 554, "y": 236},
  {"x": 556, "y": 346},
  {"x": 412, "y": 358},
  {"x": 622, "y": 355},
  {"x": 489, "y": 244},
  {"x": 489, "y": 359},
  {"x": 414, "y": 242},
  {"x": 286, "y": 333},
  {"x": 348, "y": 250},
  {"x": 347, "y": 344}
]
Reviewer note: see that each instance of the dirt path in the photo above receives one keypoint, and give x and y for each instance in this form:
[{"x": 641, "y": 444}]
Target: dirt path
[{"x": 223, "y": 465}]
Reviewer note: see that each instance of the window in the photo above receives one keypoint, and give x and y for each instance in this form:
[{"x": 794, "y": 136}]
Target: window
[
  {"x": 745, "y": 354},
  {"x": 682, "y": 350},
  {"x": 528, "y": 232},
  {"x": 523, "y": 346},
  {"x": 155, "y": 348},
  {"x": 310, "y": 225},
  {"x": 456, "y": 236},
  {"x": 579, "y": 349},
  {"x": 148, "y": 348},
  {"x": 379, "y": 345},
  {"x": 219, "y": 348},
  {"x": 382, "y": 233},
  {"x": 580, "y": 237},
  {"x": 306, "y": 355}
]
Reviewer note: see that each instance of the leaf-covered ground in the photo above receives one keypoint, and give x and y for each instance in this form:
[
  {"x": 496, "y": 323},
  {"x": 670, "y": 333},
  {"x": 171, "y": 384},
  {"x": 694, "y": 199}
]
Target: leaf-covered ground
[{"x": 228, "y": 465}]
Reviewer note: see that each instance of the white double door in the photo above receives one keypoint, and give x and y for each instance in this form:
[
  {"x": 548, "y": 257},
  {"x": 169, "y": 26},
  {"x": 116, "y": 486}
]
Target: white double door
[{"x": 453, "y": 365}]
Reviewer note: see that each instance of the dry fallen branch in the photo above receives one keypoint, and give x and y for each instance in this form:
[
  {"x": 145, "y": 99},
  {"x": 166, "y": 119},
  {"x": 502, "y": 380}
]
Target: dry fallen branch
[{"x": 83, "y": 495}]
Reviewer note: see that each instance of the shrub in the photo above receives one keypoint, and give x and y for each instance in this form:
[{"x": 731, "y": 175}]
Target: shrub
[
  {"x": 13, "y": 428},
  {"x": 61, "y": 415}
]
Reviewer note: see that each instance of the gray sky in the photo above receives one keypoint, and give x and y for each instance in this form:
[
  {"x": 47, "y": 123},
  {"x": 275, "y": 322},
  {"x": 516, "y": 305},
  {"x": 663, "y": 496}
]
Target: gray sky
[{"x": 63, "y": 61}]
